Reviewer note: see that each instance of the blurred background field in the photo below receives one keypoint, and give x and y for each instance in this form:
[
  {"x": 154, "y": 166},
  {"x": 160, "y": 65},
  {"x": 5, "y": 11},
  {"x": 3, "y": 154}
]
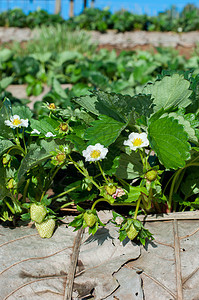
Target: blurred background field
[
  {"x": 96, "y": 49},
  {"x": 149, "y": 7}
]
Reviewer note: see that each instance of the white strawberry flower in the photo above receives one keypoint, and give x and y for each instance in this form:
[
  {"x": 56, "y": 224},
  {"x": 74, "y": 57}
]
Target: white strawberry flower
[
  {"x": 15, "y": 122},
  {"x": 49, "y": 134},
  {"x": 95, "y": 153},
  {"x": 35, "y": 131},
  {"x": 137, "y": 140}
]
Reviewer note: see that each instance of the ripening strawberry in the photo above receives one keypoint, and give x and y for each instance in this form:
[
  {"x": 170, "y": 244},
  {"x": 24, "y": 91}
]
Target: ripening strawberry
[
  {"x": 132, "y": 232},
  {"x": 37, "y": 212},
  {"x": 111, "y": 189},
  {"x": 46, "y": 228},
  {"x": 151, "y": 175},
  {"x": 90, "y": 218}
]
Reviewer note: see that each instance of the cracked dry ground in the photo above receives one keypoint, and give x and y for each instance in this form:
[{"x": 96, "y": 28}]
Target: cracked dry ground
[{"x": 167, "y": 268}]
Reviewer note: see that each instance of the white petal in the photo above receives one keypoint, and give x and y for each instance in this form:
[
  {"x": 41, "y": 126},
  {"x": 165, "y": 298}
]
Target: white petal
[
  {"x": 35, "y": 131},
  {"x": 49, "y": 134},
  {"x": 24, "y": 123}
]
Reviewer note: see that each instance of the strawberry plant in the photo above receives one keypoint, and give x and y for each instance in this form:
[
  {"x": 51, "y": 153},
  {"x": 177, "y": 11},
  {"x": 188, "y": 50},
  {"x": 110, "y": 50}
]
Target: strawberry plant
[{"x": 139, "y": 152}]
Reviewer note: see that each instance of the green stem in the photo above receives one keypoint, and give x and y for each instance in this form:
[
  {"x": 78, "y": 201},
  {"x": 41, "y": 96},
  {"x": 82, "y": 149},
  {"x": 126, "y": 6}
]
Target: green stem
[
  {"x": 67, "y": 204},
  {"x": 26, "y": 189},
  {"x": 17, "y": 139},
  {"x": 142, "y": 158},
  {"x": 9, "y": 206},
  {"x": 112, "y": 204},
  {"x": 83, "y": 173},
  {"x": 102, "y": 172},
  {"x": 137, "y": 208},
  {"x": 49, "y": 182},
  {"x": 24, "y": 141},
  {"x": 17, "y": 147},
  {"x": 175, "y": 179},
  {"x": 64, "y": 193}
]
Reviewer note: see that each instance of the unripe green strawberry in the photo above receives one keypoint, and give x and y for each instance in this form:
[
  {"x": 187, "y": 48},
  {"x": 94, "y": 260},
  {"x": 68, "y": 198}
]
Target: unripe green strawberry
[
  {"x": 6, "y": 158},
  {"x": 111, "y": 189},
  {"x": 46, "y": 228},
  {"x": 132, "y": 232},
  {"x": 151, "y": 175},
  {"x": 90, "y": 218},
  {"x": 37, "y": 212}
]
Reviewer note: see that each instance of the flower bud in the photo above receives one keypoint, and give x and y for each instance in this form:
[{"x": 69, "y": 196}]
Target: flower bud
[
  {"x": 151, "y": 175},
  {"x": 60, "y": 157}
]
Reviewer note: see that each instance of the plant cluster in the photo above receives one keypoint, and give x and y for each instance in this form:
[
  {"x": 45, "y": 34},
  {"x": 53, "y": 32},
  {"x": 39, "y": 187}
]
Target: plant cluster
[
  {"x": 101, "y": 20},
  {"x": 124, "y": 73},
  {"x": 139, "y": 152},
  {"x": 17, "y": 18}
]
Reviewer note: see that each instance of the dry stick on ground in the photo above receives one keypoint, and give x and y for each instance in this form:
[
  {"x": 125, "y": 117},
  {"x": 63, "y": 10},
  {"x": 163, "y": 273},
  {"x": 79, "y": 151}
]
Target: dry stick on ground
[
  {"x": 177, "y": 259},
  {"x": 72, "y": 268}
]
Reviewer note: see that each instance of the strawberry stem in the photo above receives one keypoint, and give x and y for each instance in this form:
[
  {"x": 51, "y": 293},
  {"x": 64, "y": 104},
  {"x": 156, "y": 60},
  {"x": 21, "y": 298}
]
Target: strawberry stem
[
  {"x": 137, "y": 208},
  {"x": 112, "y": 204}
]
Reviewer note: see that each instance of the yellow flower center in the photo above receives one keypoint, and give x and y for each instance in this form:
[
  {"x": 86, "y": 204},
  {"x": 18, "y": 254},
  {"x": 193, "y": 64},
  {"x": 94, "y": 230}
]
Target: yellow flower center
[
  {"x": 51, "y": 106},
  {"x": 16, "y": 122},
  {"x": 137, "y": 142},
  {"x": 95, "y": 154}
]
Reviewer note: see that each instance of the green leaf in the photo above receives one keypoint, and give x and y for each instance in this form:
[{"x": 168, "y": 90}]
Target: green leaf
[
  {"x": 5, "y": 114},
  {"x": 117, "y": 106},
  {"x": 23, "y": 111},
  {"x": 5, "y": 145},
  {"x": 187, "y": 126},
  {"x": 130, "y": 166},
  {"x": 78, "y": 142},
  {"x": 98, "y": 79},
  {"x": 170, "y": 91},
  {"x": 122, "y": 235},
  {"x": 58, "y": 89},
  {"x": 143, "y": 105},
  {"x": 45, "y": 125},
  {"x": 88, "y": 102},
  {"x": 104, "y": 131},
  {"x": 169, "y": 141},
  {"x": 5, "y": 54},
  {"x": 36, "y": 155},
  {"x": 3, "y": 190},
  {"x": 134, "y": 193},
  {"x": 66, "y": 56},
  {"x": 5, "y": 82},
  {"x": 190, "y": 186},
  {"x": 25, "y": 217},
  {"x": 37, "y": 89},
  {"x": 43, "y": 57}
]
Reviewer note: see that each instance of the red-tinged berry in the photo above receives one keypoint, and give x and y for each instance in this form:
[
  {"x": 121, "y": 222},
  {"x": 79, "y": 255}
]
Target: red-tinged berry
[
  {"x": 90, "y": 219},
  {"x": 37, "y": 213},
  {"x": 132, "y": 232},
  {"x": 46, "y": 228},
  {"x": 151, "y": 175}
]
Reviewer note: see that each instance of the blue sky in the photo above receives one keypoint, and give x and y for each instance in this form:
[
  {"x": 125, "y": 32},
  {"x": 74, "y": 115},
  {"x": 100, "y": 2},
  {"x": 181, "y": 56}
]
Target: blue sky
[{"x": 150, "y": 7}]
